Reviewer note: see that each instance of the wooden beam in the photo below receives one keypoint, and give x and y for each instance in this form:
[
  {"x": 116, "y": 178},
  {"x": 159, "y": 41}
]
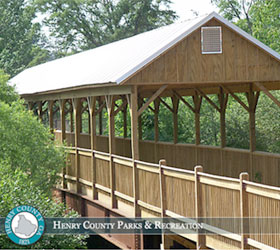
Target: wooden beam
[
  {"x": 110, "y": 102},
  {"x": 208, "y": 99},
  {"x": 244, "y": 211},
  {"x": 81, "y": 92},
  {"x": 50, "y": 114},
  {"x": 91, "y": 106},
  {"x": 236, "y": 97},
  {"x": 121, "y": 107},
  {"x": 184, "y": 101},
  {"x": 272, "y": 97},
  {"x": 152, "y": 98},
  {"x": 100, "y": 108},
  {"x": 166, "y": 105}
]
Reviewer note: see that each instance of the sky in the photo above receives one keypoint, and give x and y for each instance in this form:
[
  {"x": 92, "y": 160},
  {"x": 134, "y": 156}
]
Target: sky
[{"x": 184, "y": 8}]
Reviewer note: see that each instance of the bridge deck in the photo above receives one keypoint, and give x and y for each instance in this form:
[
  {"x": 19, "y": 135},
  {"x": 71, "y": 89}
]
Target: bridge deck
[{"x": 156, "y": 190}]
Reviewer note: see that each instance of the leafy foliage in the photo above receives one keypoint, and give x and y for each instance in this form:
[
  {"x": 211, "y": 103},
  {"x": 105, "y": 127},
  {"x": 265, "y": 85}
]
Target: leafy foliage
[
  {"x": 17, "y": 188},
  {"x": 84, "y": 24},
  {"x": 19, "y": 35},
  {"x": 260, "y": 18},
  {"x": 27, "y": 145}
]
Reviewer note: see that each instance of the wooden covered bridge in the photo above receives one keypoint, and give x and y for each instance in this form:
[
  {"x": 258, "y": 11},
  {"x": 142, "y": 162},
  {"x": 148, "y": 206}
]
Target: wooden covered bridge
[{"x": 113, "y": 176}]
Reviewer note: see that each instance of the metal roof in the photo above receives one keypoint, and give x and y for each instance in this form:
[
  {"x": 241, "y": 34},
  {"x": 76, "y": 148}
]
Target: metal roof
[{"x": 114, "y": 62}]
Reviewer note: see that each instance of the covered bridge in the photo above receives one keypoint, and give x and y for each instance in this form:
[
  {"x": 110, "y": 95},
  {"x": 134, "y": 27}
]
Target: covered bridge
[{"x": 109, "y": 175}]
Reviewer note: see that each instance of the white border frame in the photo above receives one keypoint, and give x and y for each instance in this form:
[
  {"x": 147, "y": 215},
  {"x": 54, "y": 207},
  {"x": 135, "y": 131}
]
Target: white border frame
[{"x": 221, "y": 39}]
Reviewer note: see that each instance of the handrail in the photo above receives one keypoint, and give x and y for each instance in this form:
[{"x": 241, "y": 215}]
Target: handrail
[{"x": 192, "y": 179}]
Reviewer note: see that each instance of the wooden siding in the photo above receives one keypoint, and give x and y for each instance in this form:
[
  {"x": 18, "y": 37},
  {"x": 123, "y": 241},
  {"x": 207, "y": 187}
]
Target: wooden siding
[{"x": 184, "y": 63}]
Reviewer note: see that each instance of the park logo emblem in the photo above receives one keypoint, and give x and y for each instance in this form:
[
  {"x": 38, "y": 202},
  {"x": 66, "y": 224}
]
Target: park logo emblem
[{"x": 24, "y": 225}]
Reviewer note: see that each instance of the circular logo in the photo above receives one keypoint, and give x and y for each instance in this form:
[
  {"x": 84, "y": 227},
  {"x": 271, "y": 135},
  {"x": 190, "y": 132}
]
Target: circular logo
[{"x": 24, "y": 225}]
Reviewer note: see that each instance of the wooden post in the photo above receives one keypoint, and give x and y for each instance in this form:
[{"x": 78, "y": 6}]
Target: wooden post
[
  {"x": 156, "y": 136},
  {"x": 200, "y": 243},
  {"x": 133, "y": 108},
  {"x": 197, "y": 105},
  {"x": 91, "y": 108},
  {"x": 50, "y": 114},
  {"x": 252, "y": 101},
  {"x": 223, "y": 99},
  {"x": 63, "y": 135},
  {"x": 62, "y": 119},
  {"x": 140, "y": 136},
  {"x": 30, "y": 106},
  {"x": 40, "y": 111},
  {"x": 71, "y": 118},
  {"x": 175, "y": 102},
  {"x": 244, "y": 211},
  {"x": 77, "y": 118},
  {"x": 132, "y": 100},
  {"x": 112, "y": 146},
  {"x": 162, "y": 198},
  {"x": 124, "y": 111},
  {"x": 100, "y": 118}
]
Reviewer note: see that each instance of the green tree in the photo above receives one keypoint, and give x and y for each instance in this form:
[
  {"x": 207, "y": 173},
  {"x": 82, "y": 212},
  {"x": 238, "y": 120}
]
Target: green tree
[
  {"x": 17, "y": 188},
  {"x": 25, "y": 143},
  {"x": 260, "y": 18},
  {"x": 19, "y": 35},
  {"x": 78, "y": 25}
]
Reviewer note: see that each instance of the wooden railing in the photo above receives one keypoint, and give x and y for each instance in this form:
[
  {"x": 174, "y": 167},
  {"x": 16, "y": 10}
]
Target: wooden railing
[
  {"x": 262, "y": 167},
  {"x": 173, "y": 192}
]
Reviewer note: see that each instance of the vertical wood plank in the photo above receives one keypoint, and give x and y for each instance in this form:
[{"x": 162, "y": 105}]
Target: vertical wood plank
[
  {"x": 244, "y": 211},
  {"x": 200, "y": 243}
]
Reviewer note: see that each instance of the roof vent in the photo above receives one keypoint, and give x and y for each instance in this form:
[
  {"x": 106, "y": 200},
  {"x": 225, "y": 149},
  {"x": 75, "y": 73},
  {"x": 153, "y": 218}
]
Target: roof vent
[{"x": 211, "y": 40}]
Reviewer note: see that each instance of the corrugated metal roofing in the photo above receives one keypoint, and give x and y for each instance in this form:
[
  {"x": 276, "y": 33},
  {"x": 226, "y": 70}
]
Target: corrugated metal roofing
[{"x": 114, "y": 62}]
